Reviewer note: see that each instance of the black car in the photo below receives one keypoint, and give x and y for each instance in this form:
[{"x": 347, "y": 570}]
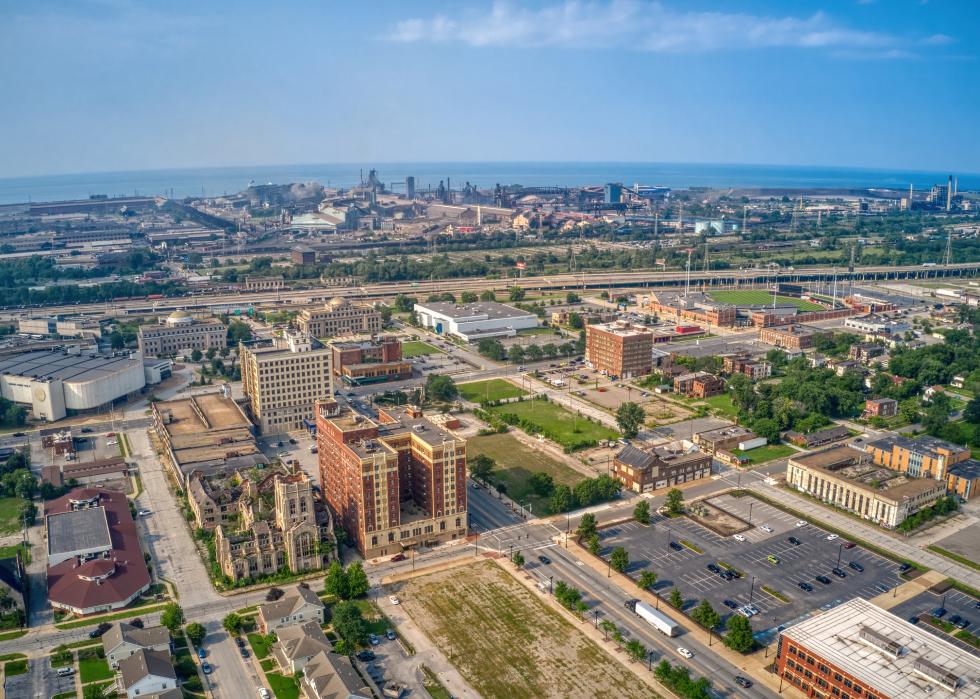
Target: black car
[
  {"x": 823, "y": 579},
  {"x": 19, "y": 434},
  {"x": 544, "y": 559},
  {"x": 793, "y": 540},
  {"x": 955, "y": 619},
  {"x": 366, "y": 655},
  {"x": 86, "y": 430},
  {"x": 731, "y": 604},
  {"x": 854, "y": 565},
  {"x": 743, "y": 681},
  {"x": 674, "y": 545},
  {"x": 939, "y": 612},
  {"x": 727, "y": 575},
  {"x": 713, "y": 568},
  {"x": 914, "y": 619},
  {"x": 239, "y": 641},
  {"x": 905, "y": 567},
  {"x": 839, "y": 573},
  {"x": 631, "y": 604},
  {"x": 99, "y": 630},
  {"x": 244, "y": 652},
  {"x": 962, "y": 623},
  {"x": 806, "y": 587}
]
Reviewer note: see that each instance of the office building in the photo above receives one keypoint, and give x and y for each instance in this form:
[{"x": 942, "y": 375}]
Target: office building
[
  {"x": 61, "y": 326},
  {"x": 373, "y": 360},
  {"x": 928, "y": 457},
  {"x": 206, "y": 433},
  {"x": 295, "y": 533},
  {"x": 282, "y": 382},
  {"x": 791, "y": 337},
  {"x": 393, "y": 484},
  {"x": 339, "y": 317},
  {"x": 57, "y": 383},
  {"x": 181, "y": 332},
  {"x": 95, "y": 562},
  {"x": 859, "y": 651},
  {"x": 664, "y": 466},
  {"x": 474, "y": 321},
  {"x": 877, "y": 325},
  {"x": 619, "y": 349},
  {"x": 847, "y": 478}
]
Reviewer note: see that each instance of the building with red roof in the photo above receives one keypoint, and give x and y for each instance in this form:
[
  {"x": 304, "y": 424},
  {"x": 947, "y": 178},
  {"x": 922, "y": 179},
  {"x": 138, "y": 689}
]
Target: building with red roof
[{"x": 95, "y": 562}]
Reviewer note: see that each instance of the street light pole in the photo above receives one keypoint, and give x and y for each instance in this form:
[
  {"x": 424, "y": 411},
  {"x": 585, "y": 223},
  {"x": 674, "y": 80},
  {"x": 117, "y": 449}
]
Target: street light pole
[
  {"x": 751, "y": 588},
  {"x": 595, "y": 612},
  {"x": 750, "y": 512},
  {"x": 840, "y": 551}
]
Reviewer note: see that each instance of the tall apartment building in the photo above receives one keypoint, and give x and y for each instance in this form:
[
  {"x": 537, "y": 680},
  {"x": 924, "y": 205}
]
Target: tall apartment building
[
  {"x": 181, "y": 331},
  {"x": 395, "y": 483},
  {"x": 369, "y": 361},
  {"x": 619, "y": 349},
  {"x": 339, "y": 317},
  {"x": 284, "y": 381}
]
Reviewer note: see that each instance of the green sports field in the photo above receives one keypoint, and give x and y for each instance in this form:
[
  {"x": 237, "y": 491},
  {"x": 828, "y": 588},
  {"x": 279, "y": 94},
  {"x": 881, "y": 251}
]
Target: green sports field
[{"x": 758, "y": 297}]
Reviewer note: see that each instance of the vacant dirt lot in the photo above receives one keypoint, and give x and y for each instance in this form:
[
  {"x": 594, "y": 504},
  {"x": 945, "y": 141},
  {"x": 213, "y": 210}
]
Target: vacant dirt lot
[{"x": 508, "y": 644}]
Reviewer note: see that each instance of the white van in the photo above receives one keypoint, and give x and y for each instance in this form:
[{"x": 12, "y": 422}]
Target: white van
[{"x": 65, "y": 671}]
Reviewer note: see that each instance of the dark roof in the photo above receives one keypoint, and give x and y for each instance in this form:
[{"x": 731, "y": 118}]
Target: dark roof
[
  {"x": 969, "y": 469},
  {"x": 637, "y": 458},
  {"x": 144, "y": 663},
  {"x": 11, "y": 569},
  {"x": 78, "y": 530},
  {"x": 123, "y": 632},
  {"x": 130, "y": 576}
]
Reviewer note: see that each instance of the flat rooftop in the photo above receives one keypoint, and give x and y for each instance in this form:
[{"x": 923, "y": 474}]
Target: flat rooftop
[
  {"x": 46, "y": 364},
  {"x": 200, "y": 413},
  {"x": 855, "y": 467},
  {"x": 491, "y": 310},
  {"x": 896, "y": 658},
  {"x": 622, "y": 329},
  {"x": 796, "y": 330},
  {"x": 78, "y": 530},
  {"x": 726, "y": 433}
]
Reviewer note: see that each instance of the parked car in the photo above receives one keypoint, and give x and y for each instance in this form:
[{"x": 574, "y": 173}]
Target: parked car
[
  {"x": 839, "y": 573},
  {"x": 713, "y": 568},
  {"x": 832, "y": 537},
  {"x": 201, "y": 653},
  {"x": 806, "y": 587},
  {"x": 144, "y": 512},
  {"x": 394, "y": 600},
  {"x": 207, "y": 668},
  {"x": 765, "y": 528},
  {"x": 631, "y": 604},
  {"x": 939, "y": 612},
  {"x": 793, "y": 540},
  {"x": 854, "y": 565},
  {"x": 823, "y": 579},
  {"x": 962, "y": 623},
  {"x": 849, "y": 544},
  {"x": 86, "y": 430},
  {"x": 906, "y": 567},
  {"x": 398, "y": 557},
  {"x": 374, "y": 640},
  {"x": 244, "y": 652},
  {"x": 239, "y": 641},
  {"x": 390, "y": 635},
  {"x": 738, "y": 537},
  {"x": 99, "y": 630},
  {"x": 801, "y": 523},
  {"x": 955, "y": 619},
  {"x": 675, "y": 546},
  {"x": 366, "y": 655},
  {"x": 264, "y": 693},
  {"x": 731, "y": 604}
]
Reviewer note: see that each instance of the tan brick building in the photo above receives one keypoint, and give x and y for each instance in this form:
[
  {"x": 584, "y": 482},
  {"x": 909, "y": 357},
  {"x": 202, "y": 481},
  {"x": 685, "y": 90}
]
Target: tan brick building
[
  {"x": 619, "y": 349},
  {"x": 339, "y": 317},
  {"x": 393, "y": 484},
  {"x": 791, "y": 337},
  {"x": 181, "y": 331}
]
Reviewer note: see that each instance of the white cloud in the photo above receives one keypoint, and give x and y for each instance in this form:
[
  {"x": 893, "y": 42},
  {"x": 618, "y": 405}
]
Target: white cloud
[{"x": 645, "y": 26}]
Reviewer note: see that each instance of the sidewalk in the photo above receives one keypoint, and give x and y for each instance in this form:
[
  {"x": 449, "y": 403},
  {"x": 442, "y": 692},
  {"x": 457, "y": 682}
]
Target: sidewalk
[{"x": 871, "y": 534}]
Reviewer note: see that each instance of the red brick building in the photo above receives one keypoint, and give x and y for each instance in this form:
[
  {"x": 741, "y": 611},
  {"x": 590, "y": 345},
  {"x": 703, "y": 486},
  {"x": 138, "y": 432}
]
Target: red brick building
[
  {"x": 619, "y": 349},
  {"x": 880, "y": 407},
  {"x": 369, "y": 361}
]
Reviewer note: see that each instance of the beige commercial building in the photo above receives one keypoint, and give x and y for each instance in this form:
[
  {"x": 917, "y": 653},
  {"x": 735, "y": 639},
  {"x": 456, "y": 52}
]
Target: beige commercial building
[
  {"x": 846, "y": 477},
  {"x": 181, "y": 331},
  {"x": 339, "y": 317},
  {"x": 282, "y": 382}
]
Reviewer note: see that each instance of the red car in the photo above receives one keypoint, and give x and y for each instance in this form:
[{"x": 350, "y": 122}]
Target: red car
[
  {"x": 398, "y": 557},
  {"x": 848, "y": 544}
]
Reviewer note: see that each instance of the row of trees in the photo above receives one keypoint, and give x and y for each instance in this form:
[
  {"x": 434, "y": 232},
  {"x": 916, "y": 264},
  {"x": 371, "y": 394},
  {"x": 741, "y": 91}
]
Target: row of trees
[{"x": 516, "y": 354}]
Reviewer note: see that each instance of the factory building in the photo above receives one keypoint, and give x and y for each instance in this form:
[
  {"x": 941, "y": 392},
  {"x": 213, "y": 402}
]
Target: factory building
[{"x": 58, "y": 383}]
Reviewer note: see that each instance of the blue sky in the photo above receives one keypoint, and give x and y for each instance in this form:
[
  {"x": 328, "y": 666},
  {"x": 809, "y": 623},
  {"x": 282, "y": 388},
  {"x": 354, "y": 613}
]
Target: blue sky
[{"x": 121, "y": 84}]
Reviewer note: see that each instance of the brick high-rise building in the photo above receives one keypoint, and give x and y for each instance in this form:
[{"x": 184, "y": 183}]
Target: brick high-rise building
[
  {"x": 619, "y": 349},
  {"x": 393, "y": 484}
]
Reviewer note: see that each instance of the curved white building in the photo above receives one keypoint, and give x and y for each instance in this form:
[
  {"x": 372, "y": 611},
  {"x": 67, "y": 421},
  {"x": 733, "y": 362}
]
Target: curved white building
[{"x": 55, "y": 383}]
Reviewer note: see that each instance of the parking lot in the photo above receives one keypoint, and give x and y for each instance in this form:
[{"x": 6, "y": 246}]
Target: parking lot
[
  {"x": 682, "y": 567},
  {"x": 391, "y": 664},
  {"x": 958, "y": 605}
]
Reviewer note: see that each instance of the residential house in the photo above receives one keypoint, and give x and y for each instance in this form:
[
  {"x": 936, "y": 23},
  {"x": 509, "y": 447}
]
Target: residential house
[
  {"x": 295, "y": 607},
  {"x": 145, "y": 673},
  {"x": 297, "y": 644},
  {"x": 123, "y": 640},
  {"x": 880, "y": 407},
  {"x": 331, "y": 676}
]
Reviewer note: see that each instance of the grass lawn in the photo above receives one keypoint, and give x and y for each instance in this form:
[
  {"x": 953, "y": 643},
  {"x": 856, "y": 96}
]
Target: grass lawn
[
  {"x": 537, "y": 331},
  {"x": 92, "y": 668},
  {"x": 758, "y": 297},
  {"x": 506, "y": 643},
  {"x": 260, "y": 644},
  {"x": 11, "y": 635},
  {"x": 722, "y": 404},
  {"x": 516, "y": 463},
  {"x": 65, "y": 695},
  {"x": 767, "y": 453},
  {"x": 125, "y": 614},
  {"x": 558, "y": 424},
  {"x": 491, "y": 389},
  {"x": 11, "y": 551},
  {"x": 10, "y": 515},
  {"x": 418, "y": 348},
  {"x": 283, "y": 687},
  {"x": 15, "y": 667},
  {"x": 433, "y": 686}
]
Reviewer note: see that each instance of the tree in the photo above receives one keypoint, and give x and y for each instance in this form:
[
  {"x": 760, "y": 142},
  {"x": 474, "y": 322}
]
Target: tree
[
  {"x": 441, "y": 388},
  {"x": 562, "y": 499},
  {"x": 196, "y": 356},
  {"x": 233, "y": 624},
  {"x": 641, "y": 513},
  {"x": 357, "y": 580},
  {"x": 238, "y": 331},
  {"x": 481, "y": 466},
  {"x": 172, "y": 617},
  {"x": 636, "y": 650},
  {"x": 587, "y": 526},
  {"x": 516, "y": 293},
  {"x": 116, "y": 340},
  {"x": 488, "y": 295},
  {"x": 705, "y": 615},
  {"x": 515, "y": 354},
  {"x": 543, "y": 484},
  {"x": 94, "y": 690},
  {"x": 972, "y": 411},
  {"x": 647, "y": 579},
  {"x": 619, "y": 559},
  {"x": 468, "y": 297},
  {"x": 349, "y": 625},
  {"x": 594, "y": 545},
  {"x": 674, "y": 501},
  {"x": 405, "y": 304},
  {"x": 273, "y": 594},
  {"x": 572, "y": 297},
  {"x": 739, "y": 636},
  {"x": 629, "y": 417},
  {"x": 335, "y": 583},
  {"x": 195, "y": 633},
  {"x": 908, "y": 409},
  {"x": 676, "y": 599},
  {"x": 136, "y": 621},
  {"x": 533, "y": 353},
  {"x": 575, "y": 321},
  {"x": 518, "y": 559}
]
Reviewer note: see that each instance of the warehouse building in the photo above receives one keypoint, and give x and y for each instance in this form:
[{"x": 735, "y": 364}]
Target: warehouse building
[
  {"x": 858, "y": 650},
  {"x": 474, "y": 321},
  {"x": 58, "y": 383}
]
